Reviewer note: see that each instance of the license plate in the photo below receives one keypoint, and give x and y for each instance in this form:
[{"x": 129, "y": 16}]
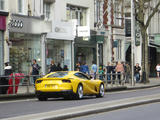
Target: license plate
[{"x": 50, "y": 86}]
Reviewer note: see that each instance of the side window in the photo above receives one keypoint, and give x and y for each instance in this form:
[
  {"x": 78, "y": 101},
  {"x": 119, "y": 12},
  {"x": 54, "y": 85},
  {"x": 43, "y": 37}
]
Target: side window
[{"x": 82, "y": 76}]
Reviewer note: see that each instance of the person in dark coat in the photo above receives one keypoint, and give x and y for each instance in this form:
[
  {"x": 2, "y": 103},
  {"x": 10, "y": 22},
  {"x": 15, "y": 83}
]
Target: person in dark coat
[
  {"x": 137, "y": 69},
  {"x": 8, "y": 69},
  {"x": 35, "y": 70},
  {"x": 4, "y": 80},
  {"x": 59, "y": 67},
  {"x": 53, "y": 67},
  {"x": 65, "y": 68},
  {"x": 108, "y": 71}
]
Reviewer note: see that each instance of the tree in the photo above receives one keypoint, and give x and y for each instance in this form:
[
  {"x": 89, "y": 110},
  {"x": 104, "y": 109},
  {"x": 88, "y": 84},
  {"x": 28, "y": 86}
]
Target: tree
[{"x": 140, "y": 10}]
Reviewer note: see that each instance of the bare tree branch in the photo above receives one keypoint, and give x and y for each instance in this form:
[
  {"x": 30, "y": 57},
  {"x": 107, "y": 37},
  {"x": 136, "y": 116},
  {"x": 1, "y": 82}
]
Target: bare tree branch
[{"x": 152, "y": 14}]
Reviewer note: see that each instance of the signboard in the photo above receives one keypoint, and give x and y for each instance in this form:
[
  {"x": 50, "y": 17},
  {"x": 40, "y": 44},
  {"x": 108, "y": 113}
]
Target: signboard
[
  {"x": 2, "y": 22},
  {"x": 137, "y": 34},
  {"x": 62, "y": 30},
  {"x": 128, "y": 27},
  {"x": 83, "y": 31}
]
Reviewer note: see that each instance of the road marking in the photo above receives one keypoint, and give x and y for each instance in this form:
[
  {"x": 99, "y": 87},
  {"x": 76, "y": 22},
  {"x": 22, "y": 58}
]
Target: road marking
[{"x": 15, "y": 101}]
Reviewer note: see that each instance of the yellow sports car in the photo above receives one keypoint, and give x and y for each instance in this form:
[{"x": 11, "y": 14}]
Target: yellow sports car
[{"x": 68, "y": 84}]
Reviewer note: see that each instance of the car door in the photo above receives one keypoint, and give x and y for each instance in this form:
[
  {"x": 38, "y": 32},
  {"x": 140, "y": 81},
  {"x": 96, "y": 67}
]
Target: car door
[{"x": 90, "y": 85}]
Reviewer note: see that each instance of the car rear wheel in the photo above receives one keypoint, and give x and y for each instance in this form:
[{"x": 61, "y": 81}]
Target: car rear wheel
[
  {"x": 101, "y": 91},
  {"x": 79, "y": 94},
  {"x": 42, "y": 98}
]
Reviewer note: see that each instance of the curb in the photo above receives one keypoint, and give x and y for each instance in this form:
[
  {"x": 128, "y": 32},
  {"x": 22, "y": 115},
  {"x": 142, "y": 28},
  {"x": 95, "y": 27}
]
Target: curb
[
  {"x": 16, "y": 96},
  {"x": 91, "y": 112}
]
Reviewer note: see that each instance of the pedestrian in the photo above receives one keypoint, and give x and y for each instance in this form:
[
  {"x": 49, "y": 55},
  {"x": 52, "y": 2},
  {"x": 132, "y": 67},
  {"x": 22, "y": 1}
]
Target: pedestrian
[
  {"x": 113, "y": 69},
  {"x": 65, "y": 68},
  {"x": 108, "y": 72},
  {"x": 59, "y": 68},
  {"x": 94, "y": 69},
  {"x": 84, "y": 68},
  {"x": 137, "y": 69},
  {"x": 128, "y": 73},
  {"x": 119, "y": 70},
  {"x": 78, "y": 66},
  {"x": 7, "y": 69},
  {"x": 34, "y": 70},
  {"x": 101, "y": 73},
  {"x": 52, "y": 67},
  {"x": 5, "y": 80},
  {"x": 158, "y": 70}
]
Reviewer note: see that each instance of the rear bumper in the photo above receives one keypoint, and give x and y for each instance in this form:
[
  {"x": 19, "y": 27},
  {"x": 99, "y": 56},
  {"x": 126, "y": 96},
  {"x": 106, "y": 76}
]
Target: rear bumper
[{"x": 55, "y": 94}]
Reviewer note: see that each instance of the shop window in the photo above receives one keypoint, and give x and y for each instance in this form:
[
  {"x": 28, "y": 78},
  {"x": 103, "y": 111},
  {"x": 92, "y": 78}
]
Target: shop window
[
  {"x": 118, "y": 14},
  {"x": 47, "y": 10},
  {"x": 119, "y": 49},
  {"x": 78, "y": 13},
  {"x": 23, "y": 51},
  {"x": 1, "y": 52},
  {"x": 20, "y": 6},
  {"x": 1, "y": 4}
]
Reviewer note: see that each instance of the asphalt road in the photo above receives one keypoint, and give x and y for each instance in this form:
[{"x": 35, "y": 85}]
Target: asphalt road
[
  {"x": 32, "y": 106},
  {"x": 143, "y": 112}
]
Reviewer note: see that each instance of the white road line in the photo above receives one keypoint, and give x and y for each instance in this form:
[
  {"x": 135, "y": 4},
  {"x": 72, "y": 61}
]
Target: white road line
[{"x": 15, "y": 101}]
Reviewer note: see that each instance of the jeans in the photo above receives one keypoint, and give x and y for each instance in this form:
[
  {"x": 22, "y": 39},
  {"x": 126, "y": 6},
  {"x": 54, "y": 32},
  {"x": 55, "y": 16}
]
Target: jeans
[{"x": 137, "y": 77}]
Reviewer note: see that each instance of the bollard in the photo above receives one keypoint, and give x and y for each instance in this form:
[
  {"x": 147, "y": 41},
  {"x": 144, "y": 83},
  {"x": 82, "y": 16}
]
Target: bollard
[
  {"x": 28, "y": 83},
  {"x": 14, "y": 84}
]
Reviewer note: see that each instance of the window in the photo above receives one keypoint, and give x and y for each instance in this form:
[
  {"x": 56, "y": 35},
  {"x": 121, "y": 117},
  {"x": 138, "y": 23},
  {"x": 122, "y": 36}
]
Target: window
[
  {"x": 77, "y": 13},
  {"x": 118, "y": 14},
  {"x": 58, "y": 75},
  {"x": 119, "y": 49},
  {"x": 20, "y": 6},
  {"x": 1, "y": 4},
  {"x": 81, "y": 75},
  {"x": 47, "y": 10}
]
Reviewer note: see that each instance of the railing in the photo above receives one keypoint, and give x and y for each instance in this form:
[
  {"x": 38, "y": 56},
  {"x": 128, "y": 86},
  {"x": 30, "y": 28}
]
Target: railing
[
  {"x": 115, "y": 79},
  {"x": 11, "y": 84}
]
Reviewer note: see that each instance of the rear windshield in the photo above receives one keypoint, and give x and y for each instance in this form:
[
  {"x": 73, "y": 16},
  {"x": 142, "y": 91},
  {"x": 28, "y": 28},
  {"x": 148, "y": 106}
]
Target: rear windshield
[{"x": 58, "y": 75}]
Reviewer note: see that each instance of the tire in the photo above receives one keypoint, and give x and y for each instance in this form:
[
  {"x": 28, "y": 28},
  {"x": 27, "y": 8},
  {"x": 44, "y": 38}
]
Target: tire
[
  {"x": 101, "y": 91},
  {"x": 42, "y": 98},
  {"x": 79, "y": 94}
]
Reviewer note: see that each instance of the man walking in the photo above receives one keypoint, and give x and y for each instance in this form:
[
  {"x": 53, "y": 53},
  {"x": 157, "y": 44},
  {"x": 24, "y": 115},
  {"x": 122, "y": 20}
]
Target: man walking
[
  {"x": 35, "y": 70},
  {"x": 94, "y": 69},
  {"x": 137, "y": 69}
]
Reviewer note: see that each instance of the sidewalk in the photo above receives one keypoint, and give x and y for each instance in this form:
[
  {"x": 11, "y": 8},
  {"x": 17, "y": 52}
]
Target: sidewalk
[
  {"x": 23, "y": 91},
  {"x": 153, "y": 83}
]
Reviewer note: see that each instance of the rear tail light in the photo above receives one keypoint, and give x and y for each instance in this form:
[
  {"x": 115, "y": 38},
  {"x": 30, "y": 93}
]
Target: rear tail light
[
  {"x": 66, "y": 81},
  {"x": 39, "y": 81}
]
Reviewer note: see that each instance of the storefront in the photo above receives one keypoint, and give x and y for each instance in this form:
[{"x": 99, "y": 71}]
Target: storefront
[
  {"x": 26, "y": 43},
  {"x": 85, "y": 50},
  {"x": 59, "y": 44},
  {"x": 59, "y": 51},
  {"x": 3, "y": 16},
  {"x": 23, "y": 50}
]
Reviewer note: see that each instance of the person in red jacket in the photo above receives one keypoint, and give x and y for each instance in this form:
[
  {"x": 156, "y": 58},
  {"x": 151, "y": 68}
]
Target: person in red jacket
[{"x": 18, "y": 77}]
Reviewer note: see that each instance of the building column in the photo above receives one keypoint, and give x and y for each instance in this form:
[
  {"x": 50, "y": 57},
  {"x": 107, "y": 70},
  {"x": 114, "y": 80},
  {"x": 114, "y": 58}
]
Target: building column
[
  {"x": 43, "y": 53},
  {"x": 72, "y": 55}
]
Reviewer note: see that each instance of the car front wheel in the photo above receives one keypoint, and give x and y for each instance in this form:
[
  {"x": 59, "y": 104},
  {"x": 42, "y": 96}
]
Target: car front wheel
[
  {"x": 101, "y": 91},
  {"x": 79, "y": 94}
]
